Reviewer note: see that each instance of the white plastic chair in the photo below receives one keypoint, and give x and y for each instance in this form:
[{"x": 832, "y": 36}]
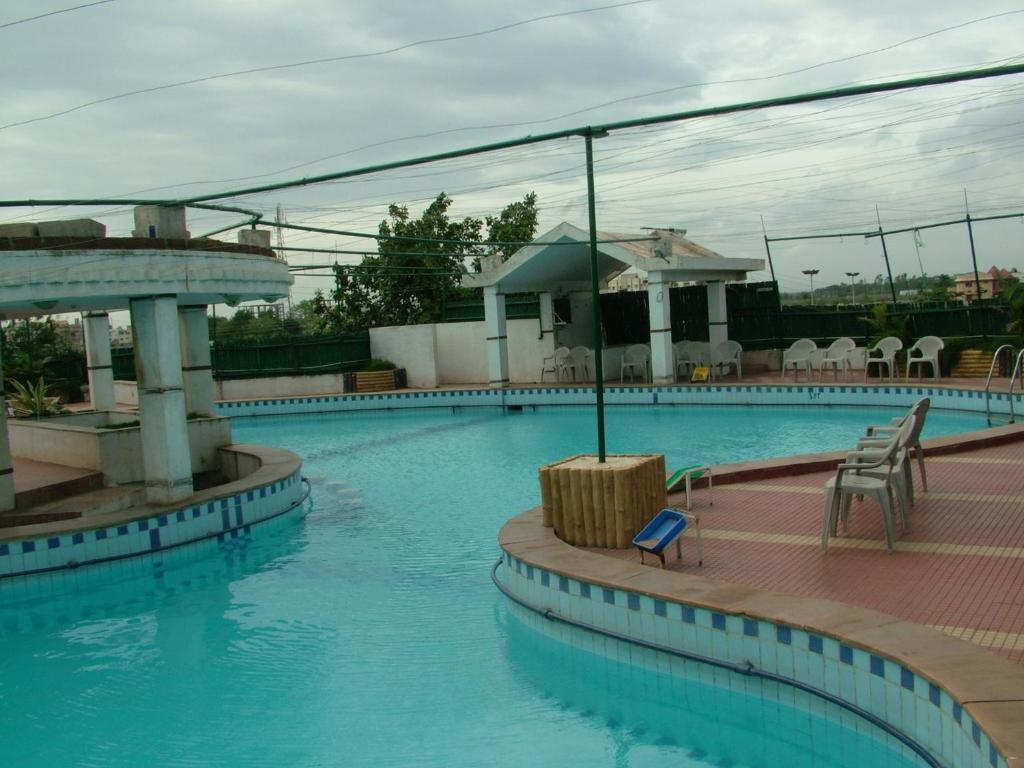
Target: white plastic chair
[
  {"x": 725, "y": 355},
  {"x": 883, "y": 354},
  {"x": 877, "y": 436},
  {"x": 855, "y": 478},
  {"x": 635, "y": 358},
  {"x": 927, "y": 349},
  {"x": 687, "y": 356},
  {"x": 838, "y": 356},
  {"x": 799, "y": 354},
  {"x": 581, "y": 362},
  {"x": 560, "y": 363}
]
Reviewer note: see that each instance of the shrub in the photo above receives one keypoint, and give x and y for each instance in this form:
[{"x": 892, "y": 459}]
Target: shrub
[{"x": 378, "y": 364}]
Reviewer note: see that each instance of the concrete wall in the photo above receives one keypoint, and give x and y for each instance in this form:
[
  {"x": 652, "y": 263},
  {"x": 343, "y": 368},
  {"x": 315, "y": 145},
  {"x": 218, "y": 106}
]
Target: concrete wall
[
  {"x": 115, "y": 452},
  {"x": 462, "y": 352},
  {"x": 126, "y": 393},
  {"x": 413, "y": 347},
  {"x": 278, "y": 386}
]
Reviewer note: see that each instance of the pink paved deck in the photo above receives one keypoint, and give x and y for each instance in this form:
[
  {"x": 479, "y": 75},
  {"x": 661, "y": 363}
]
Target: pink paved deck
[{"x": 960, "y": 569}]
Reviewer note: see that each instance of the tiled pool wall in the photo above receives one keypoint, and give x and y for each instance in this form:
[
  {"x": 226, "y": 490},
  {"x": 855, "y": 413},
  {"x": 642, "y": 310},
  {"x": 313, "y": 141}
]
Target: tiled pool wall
[
  {"x": 741, "y": 394},
  {"x": 220, "y": 518},
  {"x": 886, "y": 689}
]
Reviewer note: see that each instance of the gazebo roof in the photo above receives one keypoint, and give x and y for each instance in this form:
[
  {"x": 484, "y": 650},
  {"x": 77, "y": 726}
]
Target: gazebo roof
[{"x": 565, "y": 268}]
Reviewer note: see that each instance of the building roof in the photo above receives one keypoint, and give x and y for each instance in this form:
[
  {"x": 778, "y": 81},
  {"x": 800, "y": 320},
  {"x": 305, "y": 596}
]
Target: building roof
[{"x": 559, "y": 262}]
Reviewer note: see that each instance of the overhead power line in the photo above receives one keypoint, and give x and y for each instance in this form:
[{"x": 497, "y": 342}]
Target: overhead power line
[
  {"x": 325, "y": 60},
  {"x": 53, "y": 13},
  {"x": 604, "y": 129}
]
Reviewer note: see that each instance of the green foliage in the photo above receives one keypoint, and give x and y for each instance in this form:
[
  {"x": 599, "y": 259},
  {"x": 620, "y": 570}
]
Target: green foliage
[
  {"x": 378, "y": 364},
  {"x": 33, "y": 350},
  {"x": 414, "y": 276},
  {"x": 884, "y": 323},
  {"x": 33, "y": 400},
  {"x": 119, "y": 425},
  {"x": 515, "y": 225},
  {"x": 1015, "y": 312},
  {"x": 246, "y": 325}
]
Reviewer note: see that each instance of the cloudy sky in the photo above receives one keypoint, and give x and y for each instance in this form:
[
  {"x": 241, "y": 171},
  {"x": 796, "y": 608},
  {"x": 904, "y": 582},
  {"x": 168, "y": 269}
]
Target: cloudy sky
[{"x": 349, "y": 84}]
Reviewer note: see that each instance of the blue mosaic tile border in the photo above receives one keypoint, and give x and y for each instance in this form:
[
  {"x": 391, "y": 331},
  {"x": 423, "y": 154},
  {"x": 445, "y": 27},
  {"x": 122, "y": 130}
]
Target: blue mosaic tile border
[
  {"x": 739, "y": 394},
  {"x": 222, "y": 518},
  {"x": 875, "y": 683}
]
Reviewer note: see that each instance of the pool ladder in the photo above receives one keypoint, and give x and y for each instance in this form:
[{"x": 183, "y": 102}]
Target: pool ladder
[{"x": 1013, "y": 379}]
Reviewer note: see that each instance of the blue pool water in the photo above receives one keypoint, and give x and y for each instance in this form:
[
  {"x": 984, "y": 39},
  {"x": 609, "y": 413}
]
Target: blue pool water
[{"x": 369, "y": 634}]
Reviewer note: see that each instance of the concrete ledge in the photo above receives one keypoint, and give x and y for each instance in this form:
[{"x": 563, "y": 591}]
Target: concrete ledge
[{"x": 272, "y": 488}]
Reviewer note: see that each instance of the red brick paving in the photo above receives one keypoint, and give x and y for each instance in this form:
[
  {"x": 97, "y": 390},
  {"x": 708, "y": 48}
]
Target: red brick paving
[{"x": 969, "y": 502}]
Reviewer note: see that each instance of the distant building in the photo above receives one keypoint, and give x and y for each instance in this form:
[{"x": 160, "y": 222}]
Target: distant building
[
  {"x": 965, "y": 287},
  {"x": 630, "y": 280},
  {"x": 120, "y": 337}
]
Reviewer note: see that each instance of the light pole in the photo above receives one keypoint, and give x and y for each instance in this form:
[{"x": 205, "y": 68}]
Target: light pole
[
  {"x": 811, "y": 273},
  {"x": 853, "y": 286}
]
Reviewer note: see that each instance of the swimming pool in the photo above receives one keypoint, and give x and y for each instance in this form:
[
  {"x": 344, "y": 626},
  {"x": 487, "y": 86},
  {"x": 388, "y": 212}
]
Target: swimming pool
[{"x": 370, "y": 633}]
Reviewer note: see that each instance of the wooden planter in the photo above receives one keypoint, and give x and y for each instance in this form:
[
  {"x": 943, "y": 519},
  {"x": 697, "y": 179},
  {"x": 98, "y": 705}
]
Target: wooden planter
[
  {"x": 602, "y": 505},
  {"x": 375, "y": 381}
]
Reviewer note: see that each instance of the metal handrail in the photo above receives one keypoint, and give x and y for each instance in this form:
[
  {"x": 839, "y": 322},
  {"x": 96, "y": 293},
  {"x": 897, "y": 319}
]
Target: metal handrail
[
  {"x": 988, "y": 381},
  {"x": 1013, "y": 378}
]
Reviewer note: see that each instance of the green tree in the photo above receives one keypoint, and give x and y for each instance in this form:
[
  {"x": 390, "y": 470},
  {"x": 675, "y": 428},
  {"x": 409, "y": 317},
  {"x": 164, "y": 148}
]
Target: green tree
[
  {"x": 420, "y": 265},
  {"x": 515, "y": 225}
]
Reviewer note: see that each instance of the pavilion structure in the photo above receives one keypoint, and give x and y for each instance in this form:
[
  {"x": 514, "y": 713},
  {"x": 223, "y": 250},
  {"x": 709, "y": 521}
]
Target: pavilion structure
[{"x": 558, "y": 263}]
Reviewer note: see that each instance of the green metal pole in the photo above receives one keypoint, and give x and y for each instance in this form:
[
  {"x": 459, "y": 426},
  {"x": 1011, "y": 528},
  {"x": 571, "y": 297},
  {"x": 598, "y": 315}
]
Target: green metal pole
[
  {"x": 595, "y": 295},
  {"x": 888, "y": 269},
  {"x": 885, "y": 255}
]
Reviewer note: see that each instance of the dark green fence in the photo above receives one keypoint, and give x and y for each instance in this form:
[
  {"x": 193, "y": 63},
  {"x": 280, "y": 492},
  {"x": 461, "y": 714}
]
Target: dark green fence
[
  {"x": 295, "y": 356},
  {"x": 517, "y": 307},
  {"x": 758, "y": 322}
]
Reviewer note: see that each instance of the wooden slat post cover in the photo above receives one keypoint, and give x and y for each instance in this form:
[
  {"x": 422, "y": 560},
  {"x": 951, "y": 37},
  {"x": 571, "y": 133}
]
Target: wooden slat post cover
[
  {"x": 602, "y": 505},
  {"x": 375, "y": 381}
]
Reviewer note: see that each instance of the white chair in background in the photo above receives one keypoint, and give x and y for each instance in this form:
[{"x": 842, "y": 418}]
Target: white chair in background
[
  {"x": 883, "y": 354},
  {"x": 560, "y": 363},
  {"x": 927, "y": 349},
  {"x": 838, "y": 356},
  {"x": 687, "y": 357},
  {"x": 581, "y": 361},
  {"x": 726, "y": 355},
  {"x": 799, "y": 356},
  {"x": 635, "y": 358}
]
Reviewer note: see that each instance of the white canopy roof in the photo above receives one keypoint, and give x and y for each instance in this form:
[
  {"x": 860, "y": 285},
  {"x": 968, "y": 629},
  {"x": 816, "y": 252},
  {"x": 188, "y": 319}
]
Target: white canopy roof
[{"x": 565, "y": 268}]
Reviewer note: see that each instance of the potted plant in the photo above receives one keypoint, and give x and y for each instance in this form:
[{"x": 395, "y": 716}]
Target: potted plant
[{"x": 377, "y": 375}]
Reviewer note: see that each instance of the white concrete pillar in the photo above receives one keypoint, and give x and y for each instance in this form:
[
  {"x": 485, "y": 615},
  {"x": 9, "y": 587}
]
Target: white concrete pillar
[
  {"x": 6, "y": 468},
  {"x": 497, "y": 339},
  {"x": 547, "y": 324},
  {"x": 660, "y": 313},
  {"x": 166, "y": 460},
  {"x": 718, "y": 324},
  {"x": 97, "y": 361},
  {"x": 196, "y": 370}
]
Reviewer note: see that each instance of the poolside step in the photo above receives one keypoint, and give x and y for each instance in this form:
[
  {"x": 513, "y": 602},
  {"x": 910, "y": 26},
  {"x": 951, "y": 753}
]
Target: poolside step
[
  {"x": 973, "y": 363},
  {"x": 57, "y": 483},
  {"x": 95, "y": 502}
]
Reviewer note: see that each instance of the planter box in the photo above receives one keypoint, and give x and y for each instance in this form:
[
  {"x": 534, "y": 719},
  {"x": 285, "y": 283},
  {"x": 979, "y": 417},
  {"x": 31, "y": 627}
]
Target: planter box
[
  {"x": 602, "y": 505},
  {"x": 375, "y": 381}
]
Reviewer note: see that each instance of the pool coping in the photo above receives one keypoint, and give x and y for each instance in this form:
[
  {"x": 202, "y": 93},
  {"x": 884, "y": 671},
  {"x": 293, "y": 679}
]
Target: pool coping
[{"x": 989, "y": 687}]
